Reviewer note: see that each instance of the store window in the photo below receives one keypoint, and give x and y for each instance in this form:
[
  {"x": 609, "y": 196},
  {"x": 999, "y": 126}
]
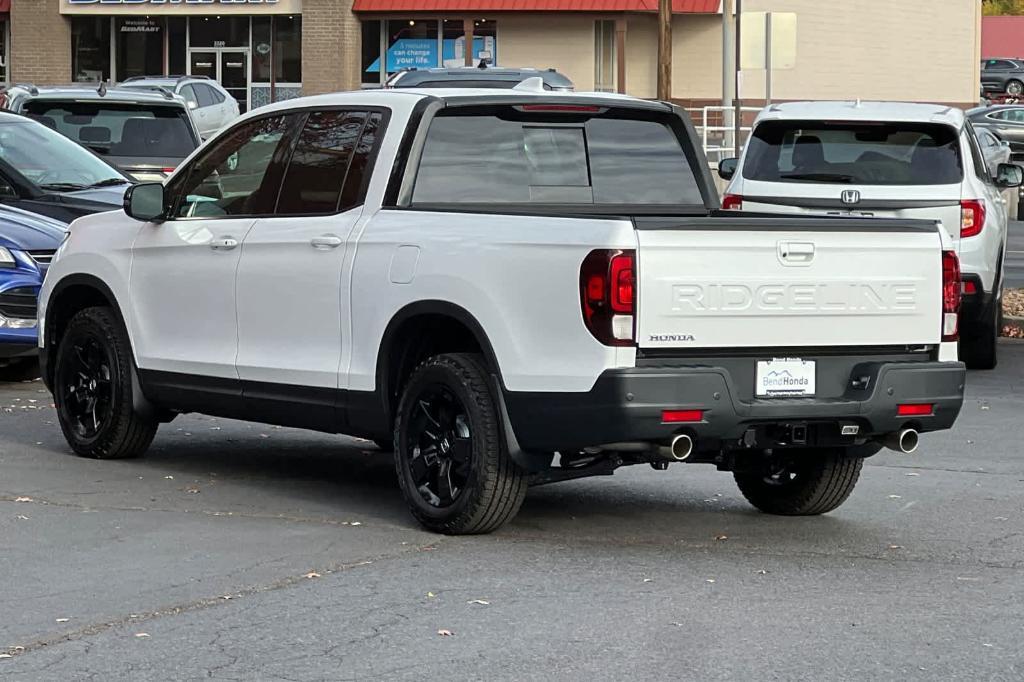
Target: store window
[
  {"x": 140, "y": 47},
  {"x": 5, "y": 41},
  {"x": 604, "y": 56},
  {"x": 90, "y": 48},
  {"x": 277, "y": 49},
  {"x": 177, "y": 41},
  {"x": 423, "y": 44},
  {"x": 218, "y": 31}
]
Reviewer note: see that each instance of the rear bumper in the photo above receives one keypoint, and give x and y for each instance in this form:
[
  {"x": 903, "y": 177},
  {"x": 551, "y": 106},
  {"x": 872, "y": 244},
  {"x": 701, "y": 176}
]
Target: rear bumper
[{"x": 625, "y": 406}]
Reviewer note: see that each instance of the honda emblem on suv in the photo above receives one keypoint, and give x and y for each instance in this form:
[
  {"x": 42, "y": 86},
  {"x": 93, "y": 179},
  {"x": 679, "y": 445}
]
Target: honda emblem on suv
[{"x": 851, "y": 196}]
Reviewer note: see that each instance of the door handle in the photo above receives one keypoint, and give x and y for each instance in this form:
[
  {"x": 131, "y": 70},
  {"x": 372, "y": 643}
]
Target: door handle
[
  {"x": 796, "y": 253},
  {"x": 224, "y": 244},
  {"x": 327, "y": 241}
]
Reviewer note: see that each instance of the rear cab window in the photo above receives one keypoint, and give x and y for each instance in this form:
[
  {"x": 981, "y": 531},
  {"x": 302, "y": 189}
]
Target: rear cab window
[
  {"x": 119, "y": 129},
  {"x": 591, "y": 159},
  {"x": 854, "y": 152}
]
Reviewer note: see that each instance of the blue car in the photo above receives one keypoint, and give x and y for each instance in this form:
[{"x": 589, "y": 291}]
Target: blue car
[{"x": 27, "y": 244}]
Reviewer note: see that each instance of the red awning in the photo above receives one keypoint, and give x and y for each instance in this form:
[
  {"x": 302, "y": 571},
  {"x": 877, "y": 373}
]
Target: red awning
[
  {"x": 5, "y": 6},
  {"x": 678, "y": 6}
]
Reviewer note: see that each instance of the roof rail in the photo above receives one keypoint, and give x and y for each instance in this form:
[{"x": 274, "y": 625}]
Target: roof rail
[
  {"x": 133, "y": 78},
  {"x": 102, "y": 89},
  {"x": 32, "y": 89}
]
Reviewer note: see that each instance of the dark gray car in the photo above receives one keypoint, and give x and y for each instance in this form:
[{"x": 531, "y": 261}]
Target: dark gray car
[
  {"x": 491, "y": 77},
  {"x": 1006, "y": 121},
  {"x": 1002, "y": 77},
  {"x": 144, "y": 133}
]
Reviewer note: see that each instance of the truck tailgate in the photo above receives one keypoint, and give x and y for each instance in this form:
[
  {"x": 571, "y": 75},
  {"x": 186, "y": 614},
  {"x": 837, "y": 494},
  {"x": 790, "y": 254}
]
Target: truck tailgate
[{"x": 784, "y": 283}]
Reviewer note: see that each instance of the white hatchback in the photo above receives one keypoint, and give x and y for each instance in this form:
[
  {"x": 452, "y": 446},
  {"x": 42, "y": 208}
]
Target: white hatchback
[
  {"x": 209, "y": 104},
  {"x": 891, "y": 160}
]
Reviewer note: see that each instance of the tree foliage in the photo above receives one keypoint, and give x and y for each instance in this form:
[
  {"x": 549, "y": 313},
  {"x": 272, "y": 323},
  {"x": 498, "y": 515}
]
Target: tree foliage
[{"x": 1001, "y": 7}]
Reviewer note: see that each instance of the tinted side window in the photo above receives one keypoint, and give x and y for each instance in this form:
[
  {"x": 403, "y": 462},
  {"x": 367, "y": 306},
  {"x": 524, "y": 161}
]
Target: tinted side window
[
  {"x": 205, "y": 94},
  {"x": 189, "y": 94},
  {"x": 514, "y": 157},
  {"x": 980, "y": 167},
  {"x": 361, "y": 167},
  {"x": 217, "y": 95},
  {"x": 316, "y": 173},
  {"x": 239, "y": 174}
]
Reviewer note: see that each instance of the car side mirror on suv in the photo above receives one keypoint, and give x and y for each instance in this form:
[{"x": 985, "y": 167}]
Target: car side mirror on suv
[
  {"x": 145, "y": 202},
  {"x": 1009, "y": 175},
  {"x": 727, "y": 168}
]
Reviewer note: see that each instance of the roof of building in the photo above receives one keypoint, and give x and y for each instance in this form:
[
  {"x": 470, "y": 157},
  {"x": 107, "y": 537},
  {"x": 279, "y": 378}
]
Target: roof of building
[
  {"x": 863, "y": 111},
  {"x": 678, "y": 6}
]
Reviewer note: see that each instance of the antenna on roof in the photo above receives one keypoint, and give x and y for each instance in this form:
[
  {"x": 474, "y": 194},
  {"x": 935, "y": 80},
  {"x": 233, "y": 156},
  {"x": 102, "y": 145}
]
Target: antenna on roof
[
  {"x": 531, "y": 84},
  {"x": 484, "y": 63},
  {"x": 102, "y": 89}
]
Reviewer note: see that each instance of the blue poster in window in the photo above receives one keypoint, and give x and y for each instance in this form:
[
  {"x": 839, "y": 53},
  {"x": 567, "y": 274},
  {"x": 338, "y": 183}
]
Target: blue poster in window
[{"x": 421, "y": 53}]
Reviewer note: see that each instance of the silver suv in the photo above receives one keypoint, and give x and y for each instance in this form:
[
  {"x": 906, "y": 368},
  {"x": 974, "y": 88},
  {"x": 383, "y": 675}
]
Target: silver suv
[
  {"x": 146, "y": 134},
  {"x": 212, "y": 107}
]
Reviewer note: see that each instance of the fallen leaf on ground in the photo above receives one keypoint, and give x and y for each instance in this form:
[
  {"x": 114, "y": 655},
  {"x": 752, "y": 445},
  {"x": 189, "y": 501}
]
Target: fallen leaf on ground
[
  {"x": 63, "y": 620},
  {"x": 142, "y": 634},
  {"x": 445, "y": 633},
  {"x": 23, "y": 499},
  {"x": 762, "y": 572},
  {"x": 6, "y": 656},
  {"x": 430, "y": 595},
  {"x": 356, "y": 523},
  {"x": 482, "y": 602},
  {"x": 192, "y": 491},
  {"x": 169, "y": 478},
  {"x": 710, "y": 580},
  {"x": 312, "y": 574},
  {"x": 21, "y": 517},
  {"x": 648, "y": 580},
  {"x": 895, "y": 497},
  {"x": 721, "y": 537},
  {"x": 895, "y": 546},
  {"x": 913, "y": 473}
]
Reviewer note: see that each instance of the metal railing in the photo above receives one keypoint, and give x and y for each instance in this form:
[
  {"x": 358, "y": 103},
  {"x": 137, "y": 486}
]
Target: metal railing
[{"x": 716, "y": 130}]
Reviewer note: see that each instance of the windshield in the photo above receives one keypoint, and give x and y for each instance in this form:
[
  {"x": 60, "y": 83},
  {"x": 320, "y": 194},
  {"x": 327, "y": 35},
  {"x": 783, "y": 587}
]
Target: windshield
[
  {"x": 862, "y": 153},
  {"x": 47, "y": 158},
  {"x": 122, "y": 130},
  {"x": 567, "y": 157}
]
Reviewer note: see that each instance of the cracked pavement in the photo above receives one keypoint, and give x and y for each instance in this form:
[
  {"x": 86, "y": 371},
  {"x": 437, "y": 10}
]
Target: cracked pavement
[{"x": 237, "y": 551}]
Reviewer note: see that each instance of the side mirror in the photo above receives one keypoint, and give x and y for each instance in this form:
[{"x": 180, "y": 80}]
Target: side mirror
[
  {"x": 145, "y": 202},
  {"x": 192, "y": 104},
  {"x": 1009, "y": 175},
  {"x": 727, "y": 168}
]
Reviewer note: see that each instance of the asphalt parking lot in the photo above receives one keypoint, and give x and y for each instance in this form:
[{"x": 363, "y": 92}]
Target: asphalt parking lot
[{"x": 243, "y": 552}]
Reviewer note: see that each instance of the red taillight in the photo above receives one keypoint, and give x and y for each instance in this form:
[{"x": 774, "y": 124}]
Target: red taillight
[
  {"x": 168, "y": 170},
  {"x": 732, "y": 202},
  {"x": 681, "y": 416},
  {"x": 915, "y": 410},
  {"x": 972, "y": 217},
  {"x": 951, "y": 288},
  {"x": 608, "y": 295}
]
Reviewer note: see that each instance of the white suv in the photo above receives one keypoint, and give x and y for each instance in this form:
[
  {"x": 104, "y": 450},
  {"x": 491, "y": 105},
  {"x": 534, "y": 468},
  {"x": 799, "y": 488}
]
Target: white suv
[
  {"x": 209, "y": 104},
  {"x": 894, "y": 160}
]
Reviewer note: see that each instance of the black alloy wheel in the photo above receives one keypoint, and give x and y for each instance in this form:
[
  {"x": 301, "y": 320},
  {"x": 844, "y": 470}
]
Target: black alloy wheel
[
  {"x": 440, "y": 447},
  {"x": 85, "y": 387}
]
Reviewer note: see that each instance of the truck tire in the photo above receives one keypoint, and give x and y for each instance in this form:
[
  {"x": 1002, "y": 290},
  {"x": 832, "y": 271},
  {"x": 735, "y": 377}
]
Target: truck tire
[
  {"x": 813, "y": 482},
  {"x": 92, "y": 389},
  {"x": 979, "y": 345},
  {"x": 453, "y": 467}
]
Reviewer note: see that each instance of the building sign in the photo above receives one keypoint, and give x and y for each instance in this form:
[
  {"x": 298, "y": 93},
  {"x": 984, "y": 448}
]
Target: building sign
[
  {"x": 180, "y": 6},
  {"x": 136, "y": 25}
]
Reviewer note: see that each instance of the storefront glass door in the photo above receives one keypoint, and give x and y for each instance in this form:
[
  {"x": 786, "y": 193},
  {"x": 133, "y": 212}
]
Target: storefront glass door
[{"x": 229, "y": 67}]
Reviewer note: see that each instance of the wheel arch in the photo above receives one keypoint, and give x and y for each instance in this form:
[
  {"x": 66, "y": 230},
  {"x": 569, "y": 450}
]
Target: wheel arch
[{"x": 403, "y": 344}]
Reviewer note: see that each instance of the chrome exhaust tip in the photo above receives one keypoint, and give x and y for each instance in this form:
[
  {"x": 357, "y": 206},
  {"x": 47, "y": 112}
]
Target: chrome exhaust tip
[
  {"x": 905, "y": 441},
  {"x": 681, "y": 448}
]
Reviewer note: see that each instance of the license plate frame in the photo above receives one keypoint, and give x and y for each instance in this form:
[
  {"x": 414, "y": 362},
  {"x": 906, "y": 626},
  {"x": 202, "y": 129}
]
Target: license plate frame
[{"x": 785, "y": 378}]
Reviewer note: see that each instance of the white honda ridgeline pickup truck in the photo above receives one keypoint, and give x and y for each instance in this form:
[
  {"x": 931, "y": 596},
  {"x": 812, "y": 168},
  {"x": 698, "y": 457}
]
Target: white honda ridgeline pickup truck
[{"x": 507, "y": 288}]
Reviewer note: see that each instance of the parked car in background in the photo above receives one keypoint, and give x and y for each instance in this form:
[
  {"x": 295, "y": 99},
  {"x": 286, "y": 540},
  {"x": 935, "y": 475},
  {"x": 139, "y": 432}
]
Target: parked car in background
[
  {"x": 993, "y": 148},
  {"x": 477, "y": 77},
  {"x": 1005, "y": 120},
  {"x": 211, "y": 106},
  {"x": 144, "y": 133},
  {"x": 27, "y": 244},
  {"x": 1002, "y": 77},
  {"x": 44, "y": 172},
  {"x": 892, "y": 160}
]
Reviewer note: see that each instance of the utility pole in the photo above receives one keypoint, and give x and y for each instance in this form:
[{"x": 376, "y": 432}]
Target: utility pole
[
  {"x": 728, "y": 71},
  {"x": 665, "y": 49},
  {"x": 738, "y": 115}
]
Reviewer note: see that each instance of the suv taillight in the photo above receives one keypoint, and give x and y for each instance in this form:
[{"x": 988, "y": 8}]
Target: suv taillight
[
  {"x": 608, "y": 295},
  {"x": 951, "y": 288},
  {"x": 972, "y": 217},
  {"x": 732, "y": 202}
]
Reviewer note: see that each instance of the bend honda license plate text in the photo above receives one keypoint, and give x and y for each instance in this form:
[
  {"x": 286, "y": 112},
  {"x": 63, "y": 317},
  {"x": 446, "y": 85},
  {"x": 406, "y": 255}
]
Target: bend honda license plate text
[{"x": 784, "y": 377}]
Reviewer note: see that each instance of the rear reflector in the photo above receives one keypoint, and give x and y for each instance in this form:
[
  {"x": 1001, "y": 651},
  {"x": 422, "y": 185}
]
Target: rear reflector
[
  {"x": 915, "y": 410},
  {"x": 681, "y": 416}
]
